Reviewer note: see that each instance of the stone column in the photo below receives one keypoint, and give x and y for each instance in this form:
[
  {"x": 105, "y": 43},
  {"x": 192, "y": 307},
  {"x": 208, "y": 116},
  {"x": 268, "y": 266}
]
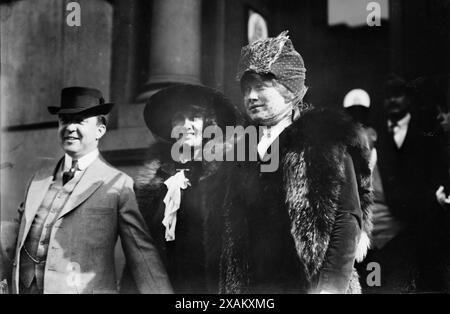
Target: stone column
[{"x": 175, "y": 44}]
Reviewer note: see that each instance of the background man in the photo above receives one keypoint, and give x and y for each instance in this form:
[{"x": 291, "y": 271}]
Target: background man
[
  {"x": 75, "y": 210},
  {"x": 411, "y": 165}
]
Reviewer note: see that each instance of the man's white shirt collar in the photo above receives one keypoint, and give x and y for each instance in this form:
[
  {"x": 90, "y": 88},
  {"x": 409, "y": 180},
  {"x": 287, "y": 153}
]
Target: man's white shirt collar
[
  {"x": 270, "y": 134},
  {"x": 403, "y": 122},
  {"x": 83, "y": 162},
  {"x": 400, "y": 129}
]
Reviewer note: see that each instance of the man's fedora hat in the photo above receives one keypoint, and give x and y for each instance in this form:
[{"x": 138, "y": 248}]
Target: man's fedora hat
[
  {"x": 81, "y": 100},
  {"x": 162, "y": 106}
]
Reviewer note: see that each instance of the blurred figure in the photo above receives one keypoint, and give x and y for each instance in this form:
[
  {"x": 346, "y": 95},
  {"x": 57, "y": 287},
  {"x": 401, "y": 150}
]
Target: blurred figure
[
  {"x": 410, "y": 166},
  {"x": 442, "y": 199},
  {"x": 432, "y": 101},
  {"x": 444, "y": 119},
  {"x": 357, "y": 105},
  {"x": 432, "y": 105}
]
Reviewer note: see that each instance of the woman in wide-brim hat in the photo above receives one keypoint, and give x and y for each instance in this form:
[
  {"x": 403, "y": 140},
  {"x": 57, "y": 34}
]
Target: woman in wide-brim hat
[{"x": 180, "y": 198}]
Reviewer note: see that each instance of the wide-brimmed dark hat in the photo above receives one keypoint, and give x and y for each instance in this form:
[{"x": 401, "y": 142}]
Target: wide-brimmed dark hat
[
  {"x": 81, "y": 100},
  {"x": 162, "y": 106}
]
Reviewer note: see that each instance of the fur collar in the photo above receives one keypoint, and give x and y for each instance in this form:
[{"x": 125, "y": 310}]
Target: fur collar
[
  {"x": 313, "y": 175},
  {"x": 312, "y": 164},
  {"x": 159, "y": 165}
]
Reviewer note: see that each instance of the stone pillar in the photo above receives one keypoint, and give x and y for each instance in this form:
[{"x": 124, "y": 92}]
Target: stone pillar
[{"x": 175, "y": 44}]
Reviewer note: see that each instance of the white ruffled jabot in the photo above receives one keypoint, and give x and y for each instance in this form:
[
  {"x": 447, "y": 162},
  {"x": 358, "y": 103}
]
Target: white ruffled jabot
[{"x": 174, "y": 184}]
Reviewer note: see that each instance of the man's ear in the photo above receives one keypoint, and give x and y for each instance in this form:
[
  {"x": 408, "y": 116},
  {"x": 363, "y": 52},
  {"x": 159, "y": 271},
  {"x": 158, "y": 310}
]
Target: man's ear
[{"x": 101, "y": 130}]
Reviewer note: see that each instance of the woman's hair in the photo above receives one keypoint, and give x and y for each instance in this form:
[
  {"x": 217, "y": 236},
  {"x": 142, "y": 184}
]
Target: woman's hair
[
  {"x": 192, "y": 111},
  {"x": 189, "y": 111},
  {"x": 268, "y": 80},
  {"x": 286, "y": 93}
]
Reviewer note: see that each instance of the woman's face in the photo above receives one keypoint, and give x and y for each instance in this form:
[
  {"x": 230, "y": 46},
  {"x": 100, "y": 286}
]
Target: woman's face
[
  {"x": 264, "y": 102},
  {"x": 190, "y": 130}
]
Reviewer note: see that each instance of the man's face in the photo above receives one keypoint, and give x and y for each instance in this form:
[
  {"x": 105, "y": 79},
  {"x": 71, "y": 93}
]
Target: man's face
[
  {"x": 263, "y": 102},
  {"x": 397, "y": 104},
  {"x": 79, "y": 135},
  {"x": 443, "y": 118}
]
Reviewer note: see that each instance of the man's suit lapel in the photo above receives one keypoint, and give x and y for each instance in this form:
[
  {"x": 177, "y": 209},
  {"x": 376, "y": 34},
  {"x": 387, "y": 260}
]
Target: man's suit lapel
[
  {"x": 36, "y": 193},
  {"x": 411, "y": 135},
  {"x": 91, "y": 180}
]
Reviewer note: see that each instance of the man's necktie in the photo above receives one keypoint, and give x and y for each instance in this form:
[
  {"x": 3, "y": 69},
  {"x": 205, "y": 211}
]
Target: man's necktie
[
  {"x": 68, "y": 175},
  {"x": 392, "y": 127},
  {"x": 396, "y": 136}
]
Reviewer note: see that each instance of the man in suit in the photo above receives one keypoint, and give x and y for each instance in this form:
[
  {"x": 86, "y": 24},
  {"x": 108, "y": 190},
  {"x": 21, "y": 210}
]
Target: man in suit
[
  {"x": 410, "y": 166},
  {"x": 75, "y": 210}
]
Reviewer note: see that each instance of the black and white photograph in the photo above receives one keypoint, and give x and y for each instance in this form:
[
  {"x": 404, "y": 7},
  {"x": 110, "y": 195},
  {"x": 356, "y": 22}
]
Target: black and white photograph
[{"x": 225, "y": 152}]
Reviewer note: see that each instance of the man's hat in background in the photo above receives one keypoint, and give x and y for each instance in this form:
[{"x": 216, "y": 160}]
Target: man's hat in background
[
  {"x": 357, "y": 104},
  {"x": 81, "y": 100},
  {"x": 162, "y": 106},
  {"x": 357, "y": 97}
]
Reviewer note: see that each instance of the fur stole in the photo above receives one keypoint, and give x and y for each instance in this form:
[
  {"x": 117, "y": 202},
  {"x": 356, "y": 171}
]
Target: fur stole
[{"x": 312, "y": 164}]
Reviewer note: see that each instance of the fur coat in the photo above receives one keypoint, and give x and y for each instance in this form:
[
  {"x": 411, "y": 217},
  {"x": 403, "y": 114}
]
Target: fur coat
[{"x": 293, "y": 210}]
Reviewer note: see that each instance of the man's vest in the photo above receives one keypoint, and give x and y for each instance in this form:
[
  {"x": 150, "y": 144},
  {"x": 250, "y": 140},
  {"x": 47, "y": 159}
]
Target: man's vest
[{"x": 34, "y": 252}]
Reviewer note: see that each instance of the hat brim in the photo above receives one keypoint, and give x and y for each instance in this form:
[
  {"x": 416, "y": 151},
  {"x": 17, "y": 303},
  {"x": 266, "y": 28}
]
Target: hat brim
[
  {"x": 163, "y": 105},
  {"x": 102, "y": 109}
]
